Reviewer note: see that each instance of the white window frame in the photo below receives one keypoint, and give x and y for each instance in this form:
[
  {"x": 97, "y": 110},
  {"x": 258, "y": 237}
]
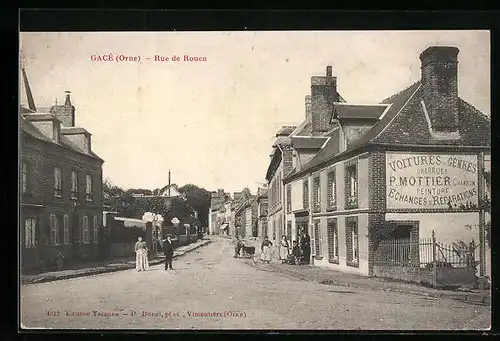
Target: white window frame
[
  {"x": 54, "y": 229},
  {"x": 30, "y": 226},
  {"x": 57, "y": 182},
  {"x": 66, "y": 229},
  {"x": 85, "y": 230},
  {"x": 96, "y": 229},
  {"x": 88, "y": 187}
]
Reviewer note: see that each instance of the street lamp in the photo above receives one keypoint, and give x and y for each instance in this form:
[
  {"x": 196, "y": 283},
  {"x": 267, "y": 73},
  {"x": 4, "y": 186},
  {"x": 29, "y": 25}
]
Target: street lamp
[{"x": 154, "y": 220}]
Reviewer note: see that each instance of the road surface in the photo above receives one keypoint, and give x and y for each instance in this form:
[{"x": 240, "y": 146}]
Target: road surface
[{"x": 209, "y": 289}]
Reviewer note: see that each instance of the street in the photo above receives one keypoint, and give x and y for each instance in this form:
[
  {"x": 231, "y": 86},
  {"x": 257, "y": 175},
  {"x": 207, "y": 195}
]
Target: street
[{"x": 209, "y": 289}]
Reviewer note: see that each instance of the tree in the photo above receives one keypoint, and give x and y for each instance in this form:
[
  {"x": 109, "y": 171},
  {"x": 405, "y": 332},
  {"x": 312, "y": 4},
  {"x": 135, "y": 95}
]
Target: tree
[
  {"x": 199, "y": 199},
  {"x": 113, "y": 196}
]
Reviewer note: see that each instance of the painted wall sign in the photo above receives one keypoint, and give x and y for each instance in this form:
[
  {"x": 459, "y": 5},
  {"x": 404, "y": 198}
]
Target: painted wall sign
[{"x": 421, "y": 180}]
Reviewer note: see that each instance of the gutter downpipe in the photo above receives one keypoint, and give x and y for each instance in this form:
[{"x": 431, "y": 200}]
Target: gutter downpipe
[{"x": 283, "y": 191}]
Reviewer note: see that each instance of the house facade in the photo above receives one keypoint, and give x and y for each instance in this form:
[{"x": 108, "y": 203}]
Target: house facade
[
  {"x": 60, "y": 186},
  {"x": 262, "y": 209},
  {"x": 217, "y": 213},
  {"x": 410, "y": 167}
]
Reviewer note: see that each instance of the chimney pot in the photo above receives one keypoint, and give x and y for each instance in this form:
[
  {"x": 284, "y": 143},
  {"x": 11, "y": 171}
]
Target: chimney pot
[{"x": 329, "y": 71}]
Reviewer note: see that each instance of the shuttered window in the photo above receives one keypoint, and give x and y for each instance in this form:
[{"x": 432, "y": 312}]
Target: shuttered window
[
  {"x": 333, "y": 241},
  {"x": 305, "y": 194},
  {"x": 316, "y": 195},
  {"x": 318, "y": 242}
]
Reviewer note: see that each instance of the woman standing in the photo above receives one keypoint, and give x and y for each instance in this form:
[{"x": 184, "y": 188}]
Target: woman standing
[
  {"x": 265, "y": 248},
  {"x": 141, "y": 255},
  {"x": 284, "y": 249}
]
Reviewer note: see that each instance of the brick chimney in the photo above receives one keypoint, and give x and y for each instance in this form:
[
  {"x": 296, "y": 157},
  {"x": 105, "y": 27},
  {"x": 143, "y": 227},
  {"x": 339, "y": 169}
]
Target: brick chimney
[
  {"x": 308, "y": 106},
  {"x": 323, "y": 94},
  {"x": 66, "y": 112},
  {"x": 440, "y": 87}
]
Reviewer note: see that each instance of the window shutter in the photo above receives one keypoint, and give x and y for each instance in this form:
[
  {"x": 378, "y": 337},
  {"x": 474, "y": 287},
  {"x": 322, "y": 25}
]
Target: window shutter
[
  {"x": 320, "y": 238},
  {"x": 313, "y": 240}
]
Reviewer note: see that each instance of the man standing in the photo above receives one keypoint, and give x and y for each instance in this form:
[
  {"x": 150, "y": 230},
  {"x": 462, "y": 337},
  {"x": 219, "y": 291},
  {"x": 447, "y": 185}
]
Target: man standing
[
  {"x": 305, "y": 245},
  {"x": 168, "y": 251}
]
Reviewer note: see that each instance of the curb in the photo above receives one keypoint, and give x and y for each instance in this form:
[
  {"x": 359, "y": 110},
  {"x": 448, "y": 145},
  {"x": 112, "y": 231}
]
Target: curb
[
  {"x": 476, "y": 299},
  {"x": 104, "y": 269}
]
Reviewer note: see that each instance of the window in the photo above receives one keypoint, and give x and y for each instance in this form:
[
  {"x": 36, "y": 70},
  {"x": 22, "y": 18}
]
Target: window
[
  {"x": 332, "y": 195},
  {"x": 316, "y": 195},
  {"x": 351, "y": 186},
  {"x": 352, "y": 241},
  {"x": 305, "y": 194},
  {"x": 30, "y": 232},
  {"x": 288, "y": 198},
  {"x": 88, "y": 187},
  {"x": 57, "y": 182},
  {"x": 25, "y": 180},
  {"x": 66, "y": 229},
  {"x": 333, "y": 241},
  {"x": 54, "y": 229},
  {"x": 74, "y": 185},
  {"x": 318, "y": 240},
  {"x": 85, "y": 230}
]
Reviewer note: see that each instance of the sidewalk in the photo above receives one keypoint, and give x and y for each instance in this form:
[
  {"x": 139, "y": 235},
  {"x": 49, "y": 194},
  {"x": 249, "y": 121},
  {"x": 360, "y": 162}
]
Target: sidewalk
[
  {"x": 331, "y": 277},
  {"x": 112, "y": 266}
]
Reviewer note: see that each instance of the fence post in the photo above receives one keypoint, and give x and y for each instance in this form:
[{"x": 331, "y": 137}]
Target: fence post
[{"x": 434, "y": 265}]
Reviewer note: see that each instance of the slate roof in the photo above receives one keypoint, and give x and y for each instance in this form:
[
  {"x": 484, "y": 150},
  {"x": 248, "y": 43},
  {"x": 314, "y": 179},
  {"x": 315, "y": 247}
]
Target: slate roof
[
  {"x": 74, "y": 130},
  {"x": 285, "y": 130},
  {"x": 398, "y": 127},
  {"x": 306, "y": 142},
  {"x": 358, "y": 111},
  {"x": 29, "y": 129}
]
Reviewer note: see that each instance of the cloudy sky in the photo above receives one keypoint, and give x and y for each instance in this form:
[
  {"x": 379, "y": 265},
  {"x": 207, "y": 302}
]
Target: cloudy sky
[{"x": 212, "y": 123}]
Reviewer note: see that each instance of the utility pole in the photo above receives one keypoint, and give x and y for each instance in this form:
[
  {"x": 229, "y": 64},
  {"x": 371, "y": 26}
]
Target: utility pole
[
  {"x": 481, "y": 192},
  {"x": 169, "y": 182}
]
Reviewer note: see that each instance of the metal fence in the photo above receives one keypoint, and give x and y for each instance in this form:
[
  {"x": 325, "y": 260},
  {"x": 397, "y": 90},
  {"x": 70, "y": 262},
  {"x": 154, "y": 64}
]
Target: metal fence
[
  {"x": 427, "y": 260},
  {"x": 425, "y": 252}
]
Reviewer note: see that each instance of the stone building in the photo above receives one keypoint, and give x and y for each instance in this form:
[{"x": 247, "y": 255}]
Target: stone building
[
  {"x": 401, "y": 168},
  {"x": 60, "y": 185},
  {"x": 217, "y": 214}
]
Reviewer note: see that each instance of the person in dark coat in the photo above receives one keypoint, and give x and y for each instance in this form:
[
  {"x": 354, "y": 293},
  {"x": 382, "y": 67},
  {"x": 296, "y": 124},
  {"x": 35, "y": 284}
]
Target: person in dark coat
[
  {"x": 305, "y": 246},
  {"x": 168, "y": 251},
  {"x": 296, "y": 253}
]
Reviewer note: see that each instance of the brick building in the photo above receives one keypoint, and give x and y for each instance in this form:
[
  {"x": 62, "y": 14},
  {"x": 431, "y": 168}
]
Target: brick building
[
  {"x": 396, "y": 169},
  {"x": 311, "y": 135},
  {"x": 60, "y": 185}
]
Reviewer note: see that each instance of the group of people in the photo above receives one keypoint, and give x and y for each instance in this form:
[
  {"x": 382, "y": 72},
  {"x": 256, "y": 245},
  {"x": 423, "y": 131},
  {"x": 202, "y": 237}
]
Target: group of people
[
  {"x": 141, "y": 254},
  {"x": 299, "y": 253}
]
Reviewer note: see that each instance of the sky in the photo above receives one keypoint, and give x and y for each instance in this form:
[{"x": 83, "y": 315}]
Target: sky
[{"x": 212, "y": 123}]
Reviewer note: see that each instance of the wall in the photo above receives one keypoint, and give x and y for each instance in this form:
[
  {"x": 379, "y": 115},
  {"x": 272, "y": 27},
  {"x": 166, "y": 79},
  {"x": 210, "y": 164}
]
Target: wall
[
  {"x": 43, "y": 157},
  {"x": 362, "y": 269},
  {"x": 297, "y": 194}
]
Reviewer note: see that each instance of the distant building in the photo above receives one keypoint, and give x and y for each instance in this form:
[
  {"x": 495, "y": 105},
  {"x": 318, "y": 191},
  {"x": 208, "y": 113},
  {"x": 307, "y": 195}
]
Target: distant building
[
  {"x": 262, "y": 210},
  {"x": 60, "y": 185}
]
